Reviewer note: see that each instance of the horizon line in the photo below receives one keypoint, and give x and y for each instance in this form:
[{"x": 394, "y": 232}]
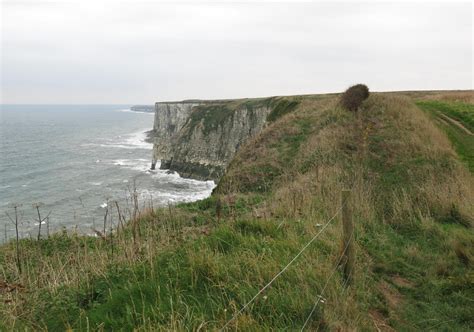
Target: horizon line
[{"x": 223, "y": 99}]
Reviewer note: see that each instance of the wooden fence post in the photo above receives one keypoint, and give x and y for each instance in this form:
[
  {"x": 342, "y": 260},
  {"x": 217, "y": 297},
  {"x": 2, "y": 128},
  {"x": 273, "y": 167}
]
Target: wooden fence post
[{"x": 348, "y": 259}]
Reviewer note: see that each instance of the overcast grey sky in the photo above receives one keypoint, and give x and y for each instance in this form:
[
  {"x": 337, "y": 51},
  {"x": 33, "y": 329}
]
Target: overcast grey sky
[{"x": 93, "y": 51}]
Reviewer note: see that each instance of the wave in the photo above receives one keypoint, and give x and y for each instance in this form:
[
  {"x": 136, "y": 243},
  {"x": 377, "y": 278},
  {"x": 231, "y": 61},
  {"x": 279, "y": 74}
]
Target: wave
[
  {"x": 175, "y": 178},
  {"x": 118, "y": 146},
  {"x": 168, "y": 197},
  {"x": 135, "y": 140},
  {"x": 130, "y": 111},
  {"x": 134, "y": 164},
  {"x": 138, "y": 139}
]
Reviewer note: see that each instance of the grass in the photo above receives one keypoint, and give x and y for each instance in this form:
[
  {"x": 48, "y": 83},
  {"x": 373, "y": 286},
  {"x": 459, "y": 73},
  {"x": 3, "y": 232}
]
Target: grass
[
  {"x": 214, "y": 114},
  {"x": 281, "y": 107},
  {"x": 462, "y": 112},
  {"x": 190, "y": 268},
  {"x": 211, "y": 116}
]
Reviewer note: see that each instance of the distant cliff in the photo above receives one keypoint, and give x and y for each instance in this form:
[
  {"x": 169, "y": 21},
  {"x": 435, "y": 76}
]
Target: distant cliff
[
  {"x": 198, "y": 139},
  {"x": 143, "y": 108}
]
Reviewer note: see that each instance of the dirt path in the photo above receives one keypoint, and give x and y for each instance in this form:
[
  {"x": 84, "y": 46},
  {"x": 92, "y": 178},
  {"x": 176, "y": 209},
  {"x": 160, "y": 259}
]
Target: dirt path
[{"x": 456, "y": 123}]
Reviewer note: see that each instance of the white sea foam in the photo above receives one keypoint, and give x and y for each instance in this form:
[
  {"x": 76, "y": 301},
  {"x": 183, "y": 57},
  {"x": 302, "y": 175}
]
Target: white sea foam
[
  {"x": 95, "y": 183},
  {"x": 142, "y": 165},
  {"x": 117, "y": 146},
  {"x": 138, "y": 140},
  {"x": 119, "y": 162},
  {"x": 187, "y": 190},
  {"x": 162, "y": 198},
  {"x": 174, "y": 177},
  {"x": 130, "y": 141},
  {"x": 139, "y": 112}
]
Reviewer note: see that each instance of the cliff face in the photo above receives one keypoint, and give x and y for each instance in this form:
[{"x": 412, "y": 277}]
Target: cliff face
[
  {"x": 198, "y": 139},
  {"x": 170, "y": 118}
]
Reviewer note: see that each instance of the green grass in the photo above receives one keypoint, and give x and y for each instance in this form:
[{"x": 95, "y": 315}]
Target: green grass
[
  {"x": 463, "y": 143},
  {"x": 204, "y": 276},
  {"x": 211, "y": 116},
  {"x": 462, "y": 112},
  {"x": 204, "y": 280},
  {"x": 289, "y": 146},
  {"x": 280, "y": 108},
  {"x": 440, "y": 290}
]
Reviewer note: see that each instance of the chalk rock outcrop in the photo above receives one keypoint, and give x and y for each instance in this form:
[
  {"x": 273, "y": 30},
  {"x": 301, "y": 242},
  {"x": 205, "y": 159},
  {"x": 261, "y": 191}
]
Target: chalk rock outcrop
[{"x": 198, "y": 139}]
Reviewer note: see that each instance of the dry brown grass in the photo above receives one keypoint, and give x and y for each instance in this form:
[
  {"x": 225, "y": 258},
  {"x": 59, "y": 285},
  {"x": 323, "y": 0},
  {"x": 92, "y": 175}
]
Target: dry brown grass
[
  {"x": 435, "y": 177},
  {"x": 465, "y": 96},
  {"x": 420, "y": 138},
  {"x": 462, "y": 96}
]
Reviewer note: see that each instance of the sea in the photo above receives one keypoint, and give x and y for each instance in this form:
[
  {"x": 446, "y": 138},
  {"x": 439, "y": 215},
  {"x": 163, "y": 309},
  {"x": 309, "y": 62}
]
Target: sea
[{"x": 75, "y": 162}]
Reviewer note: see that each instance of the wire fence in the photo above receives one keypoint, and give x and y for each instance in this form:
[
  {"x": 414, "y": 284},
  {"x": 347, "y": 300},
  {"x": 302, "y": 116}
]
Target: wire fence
[
  {"x": 319, "y": 297},
  {"x": 39, "y": 220},
  {"x": 136, "y": 209}
]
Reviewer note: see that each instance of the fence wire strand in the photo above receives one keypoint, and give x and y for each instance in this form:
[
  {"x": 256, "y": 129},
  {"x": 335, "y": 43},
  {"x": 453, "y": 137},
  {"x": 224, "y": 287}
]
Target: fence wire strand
[
  {"x": 320, "y": 295},
  {"x": 284, "y": 269}
]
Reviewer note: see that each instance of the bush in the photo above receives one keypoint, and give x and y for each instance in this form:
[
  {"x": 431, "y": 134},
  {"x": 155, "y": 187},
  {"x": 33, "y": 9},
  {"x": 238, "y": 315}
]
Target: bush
[{"x": 354, "y": 96}]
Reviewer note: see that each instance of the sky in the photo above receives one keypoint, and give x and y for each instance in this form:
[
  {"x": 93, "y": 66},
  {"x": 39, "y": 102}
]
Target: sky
[{"x": 140, "y": 52}]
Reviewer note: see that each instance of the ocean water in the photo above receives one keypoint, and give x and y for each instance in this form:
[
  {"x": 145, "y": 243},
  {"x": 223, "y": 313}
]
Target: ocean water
[{"x": 73, "y": 159}]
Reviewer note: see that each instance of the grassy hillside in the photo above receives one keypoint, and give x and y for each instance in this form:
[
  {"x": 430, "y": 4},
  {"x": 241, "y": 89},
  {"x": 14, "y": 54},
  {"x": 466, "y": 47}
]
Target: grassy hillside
[
  {"x": 456, "y": 118},
  {"x": 189, "y": 267}
]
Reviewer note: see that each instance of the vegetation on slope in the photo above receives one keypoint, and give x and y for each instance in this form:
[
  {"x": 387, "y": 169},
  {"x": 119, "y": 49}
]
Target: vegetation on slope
[
  {"x": 459, "y": 111},
  {"x": 212, "y": 114},
  {"x": 191, "y": 267},
  {"x": 280, "y": 107},
  {"x": 457, "y": 120}
]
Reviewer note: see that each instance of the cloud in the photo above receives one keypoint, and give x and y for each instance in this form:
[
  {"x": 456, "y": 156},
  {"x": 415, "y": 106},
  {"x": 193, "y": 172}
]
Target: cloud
[{"x": 140, "y": 52}]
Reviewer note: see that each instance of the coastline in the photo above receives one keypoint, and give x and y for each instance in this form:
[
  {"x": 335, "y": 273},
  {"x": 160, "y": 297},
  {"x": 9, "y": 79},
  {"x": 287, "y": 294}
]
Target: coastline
[{"x": 82, "y": 171}]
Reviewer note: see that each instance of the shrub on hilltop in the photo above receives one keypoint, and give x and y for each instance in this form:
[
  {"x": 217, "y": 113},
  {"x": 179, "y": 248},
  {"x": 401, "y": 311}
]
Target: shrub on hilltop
[{"x": 353, "y": 97}]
